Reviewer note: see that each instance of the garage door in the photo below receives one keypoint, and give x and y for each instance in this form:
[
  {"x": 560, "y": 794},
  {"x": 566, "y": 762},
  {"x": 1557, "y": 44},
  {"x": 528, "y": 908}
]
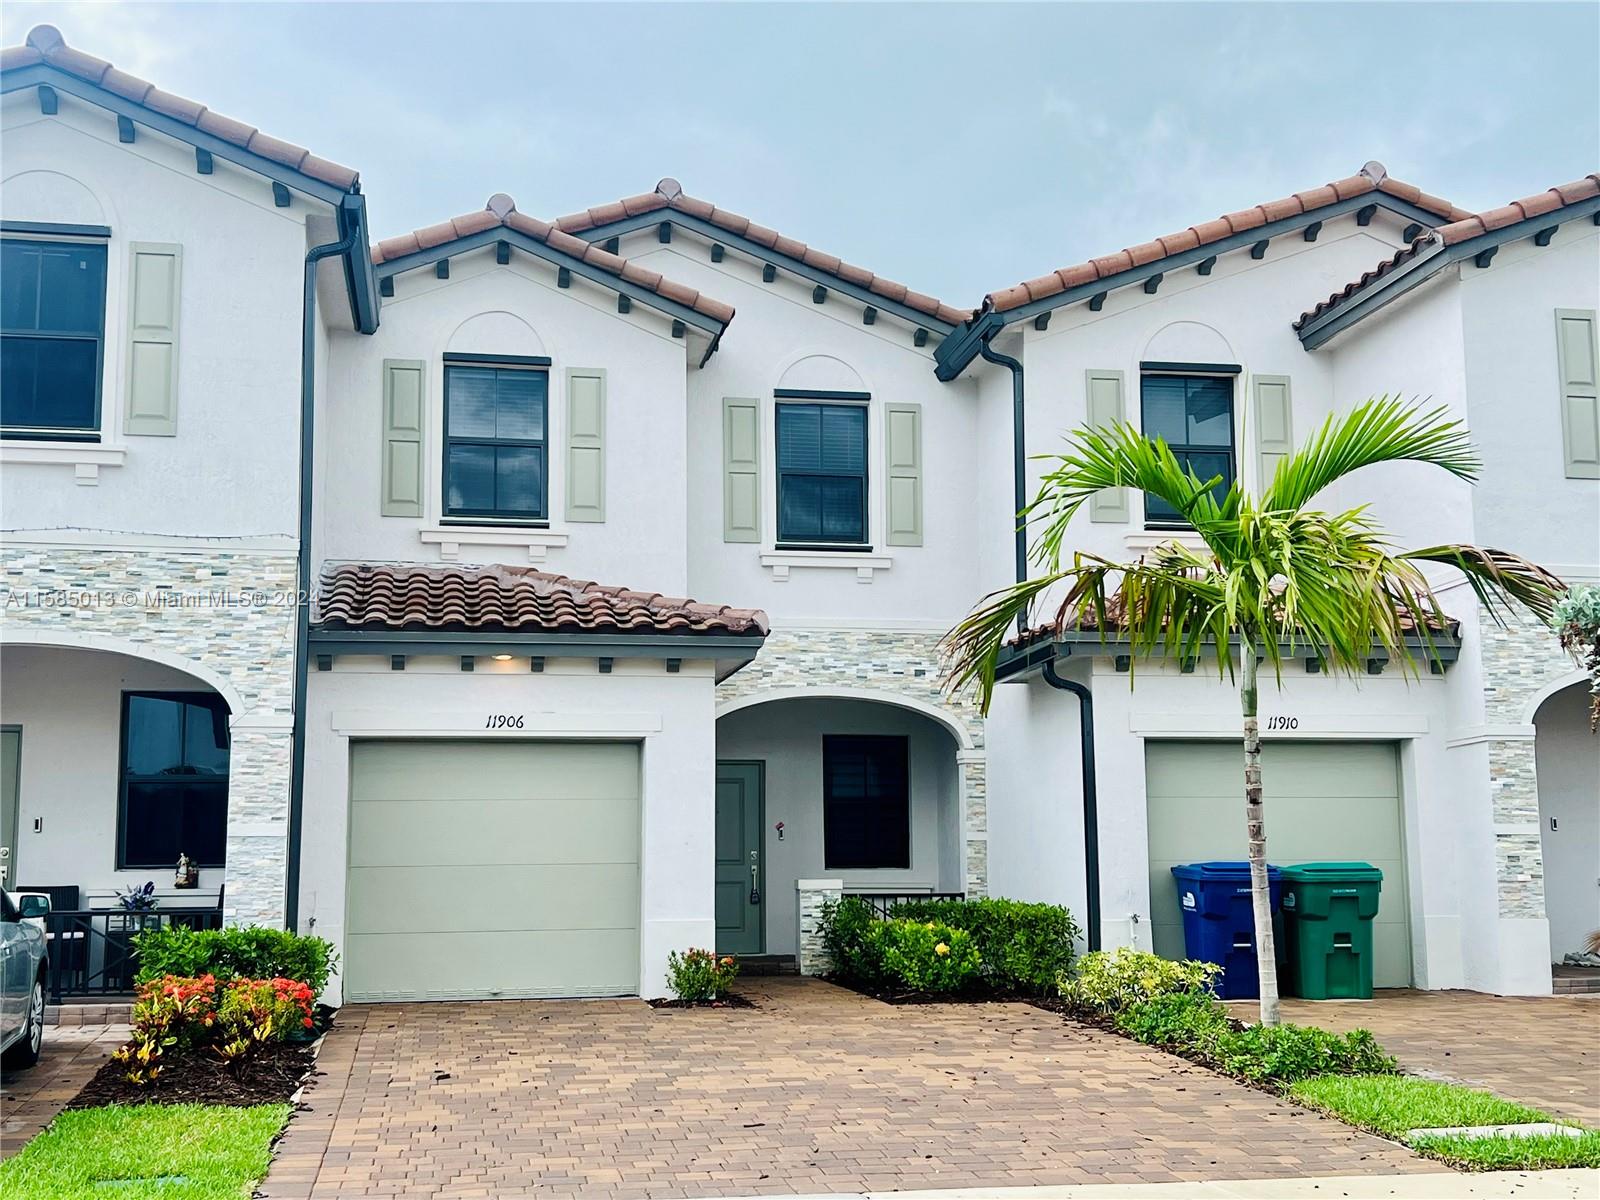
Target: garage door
[
  {"x": 1325, "y": 801},
  {"x": 498, "y": 869}
]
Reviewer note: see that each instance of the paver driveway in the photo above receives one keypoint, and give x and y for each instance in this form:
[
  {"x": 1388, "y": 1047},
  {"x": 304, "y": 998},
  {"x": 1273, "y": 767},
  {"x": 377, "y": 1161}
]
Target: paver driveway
[
  {"x": 1541, "y": 1050},
  {"x": 816, "y": 1090}
]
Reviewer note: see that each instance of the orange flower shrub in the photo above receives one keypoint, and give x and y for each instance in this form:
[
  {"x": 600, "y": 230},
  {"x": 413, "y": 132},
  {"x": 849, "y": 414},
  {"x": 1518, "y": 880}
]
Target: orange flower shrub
[{"x": 192, "y": 1012}]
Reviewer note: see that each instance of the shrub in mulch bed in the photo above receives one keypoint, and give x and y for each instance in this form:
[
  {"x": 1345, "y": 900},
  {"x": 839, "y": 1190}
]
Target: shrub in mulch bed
[
  {"x": 199, "y": 1041},
  {"x": 726, "y": 1000}
]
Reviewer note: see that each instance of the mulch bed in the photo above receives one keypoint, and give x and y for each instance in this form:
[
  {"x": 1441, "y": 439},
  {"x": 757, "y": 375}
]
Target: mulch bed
[
  {"x": 270, "y": 1076},
  {"x": 731, "y": 1000},
  {"x": 975, "y": 995}
]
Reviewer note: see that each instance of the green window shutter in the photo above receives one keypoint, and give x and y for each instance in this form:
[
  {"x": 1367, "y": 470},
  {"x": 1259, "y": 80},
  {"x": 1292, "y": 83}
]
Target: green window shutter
[
  {"x": 586, "y": 444},
  {"x": 154, "y": 278},
  {"x": 404, "y": 389},
  {"x": 902, "y": 440},
  {"x": 1274, "y": 427},
  {"x": 741, "y": 470},
  {"x": 1105, "y": 407},
  {"x": 1577, "y": 358}
]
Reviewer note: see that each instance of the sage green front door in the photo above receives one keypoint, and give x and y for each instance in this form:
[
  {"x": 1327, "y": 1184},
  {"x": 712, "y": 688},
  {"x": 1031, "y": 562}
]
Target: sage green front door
[
  {"x": 1325, "y": 802},
  {"x": 741, "y": 875},
  {"x": 10, "y": 779}
]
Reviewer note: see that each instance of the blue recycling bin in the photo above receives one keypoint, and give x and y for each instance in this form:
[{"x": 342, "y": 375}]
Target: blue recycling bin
[{"x": 1218, "y": 925}]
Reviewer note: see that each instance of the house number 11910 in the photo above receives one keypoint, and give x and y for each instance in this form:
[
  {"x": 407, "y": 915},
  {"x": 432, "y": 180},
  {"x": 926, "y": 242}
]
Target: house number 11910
[
  {"x": 503, "y": 721},
  {"x": 1283, "y": 722}
]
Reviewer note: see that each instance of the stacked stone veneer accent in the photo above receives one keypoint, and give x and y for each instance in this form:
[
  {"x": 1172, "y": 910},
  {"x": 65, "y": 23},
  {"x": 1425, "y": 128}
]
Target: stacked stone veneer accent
[
  {"x": 1519, "y": 660},
  {"x": 891, "y": 664},
  {"x": 810, "y": 897},
  {"x": 229, "y": 613}
]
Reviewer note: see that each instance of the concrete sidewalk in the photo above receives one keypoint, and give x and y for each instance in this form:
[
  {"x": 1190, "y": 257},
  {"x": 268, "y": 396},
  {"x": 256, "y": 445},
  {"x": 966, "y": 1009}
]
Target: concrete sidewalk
[{"x": 1444, "y": 1185}]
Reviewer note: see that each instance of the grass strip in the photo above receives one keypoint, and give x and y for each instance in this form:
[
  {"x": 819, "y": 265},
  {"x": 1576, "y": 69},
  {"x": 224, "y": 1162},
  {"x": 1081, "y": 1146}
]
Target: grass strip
[{"x": 146, "y": 1152}]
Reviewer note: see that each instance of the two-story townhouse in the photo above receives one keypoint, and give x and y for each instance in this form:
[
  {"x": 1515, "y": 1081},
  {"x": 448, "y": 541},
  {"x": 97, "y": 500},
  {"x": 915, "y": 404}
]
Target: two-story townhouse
[
  {"x": 161, "y": 272},
  {"x": 481, "y": 774},
  {"x": 1198, "y": 337},
  {"x": 544, "y": 402}
]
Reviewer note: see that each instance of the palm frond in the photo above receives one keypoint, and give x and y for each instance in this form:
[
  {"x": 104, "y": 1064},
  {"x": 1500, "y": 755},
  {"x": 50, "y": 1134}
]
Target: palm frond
[
  {"x": 1497, "y": 577},
  {"x": 1384, "y": 429}
]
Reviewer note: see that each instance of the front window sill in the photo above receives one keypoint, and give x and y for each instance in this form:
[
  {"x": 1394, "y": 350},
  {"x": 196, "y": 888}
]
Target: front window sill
[
  {"x": 865, "y": 565},
  {"x": 85, "y": 457},
  {"x": 1142, "y": 542},
  {"x": 538, "y": 541}
]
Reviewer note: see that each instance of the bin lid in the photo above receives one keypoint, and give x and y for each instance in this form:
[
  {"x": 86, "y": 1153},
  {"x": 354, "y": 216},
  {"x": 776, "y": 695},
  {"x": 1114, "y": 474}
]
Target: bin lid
[
  {"x": 1333, "y": 872},
  {"x": 1220, "y": 870}
]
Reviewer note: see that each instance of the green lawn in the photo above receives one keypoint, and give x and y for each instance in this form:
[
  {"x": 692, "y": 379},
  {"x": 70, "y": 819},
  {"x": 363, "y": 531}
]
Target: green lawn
[
  {"x": 146, "y": 1152},
  {"x": 1396, "y": 1104}
]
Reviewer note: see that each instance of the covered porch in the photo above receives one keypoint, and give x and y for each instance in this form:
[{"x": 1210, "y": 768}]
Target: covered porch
[
  {"x": 825, "y": 794},
  {"x": 113, "y": 765}
]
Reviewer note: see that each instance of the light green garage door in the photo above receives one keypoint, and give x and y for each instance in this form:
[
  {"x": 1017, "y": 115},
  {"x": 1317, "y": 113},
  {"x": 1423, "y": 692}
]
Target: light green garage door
[
  {"x": 1325, "y": 801},
  {"x": 492, "y": 869}
]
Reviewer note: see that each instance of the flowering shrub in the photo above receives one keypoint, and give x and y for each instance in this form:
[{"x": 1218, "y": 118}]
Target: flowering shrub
[
  {"x": 1024, "y": 947},
  {"x": 233, "y": 1018},
  {"x": 924, "y": 956},
  {"x": 1110, "y": 982},
  {"x": 700, "y": 974},
  {"x": 168, "y": 1011},
  {"x": 253, "y": 1012},
  {"x": 250, "y": 952}
]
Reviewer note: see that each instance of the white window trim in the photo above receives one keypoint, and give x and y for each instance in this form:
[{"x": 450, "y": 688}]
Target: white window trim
[
  {"x": 865, "y": 565},
  {"x": 450, "y": 539},
  {"x": 86, "y": 458}
]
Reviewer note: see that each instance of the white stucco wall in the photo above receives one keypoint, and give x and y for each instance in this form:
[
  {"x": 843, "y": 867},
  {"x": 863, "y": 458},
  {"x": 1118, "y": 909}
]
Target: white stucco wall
[
  {"x": 68, "y": 704},
  {"x": 671, "y": 715},
  {"x": 1525, "y": 502},
  {"x": 231, "y": 470},
  {"x": 787, "y": 735},
  {"x": 517, "y": 309}
]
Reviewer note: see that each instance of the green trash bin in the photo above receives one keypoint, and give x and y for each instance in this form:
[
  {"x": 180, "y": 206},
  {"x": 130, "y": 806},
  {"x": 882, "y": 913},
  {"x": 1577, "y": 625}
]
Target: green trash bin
[{"x": 1328, "y": 909}]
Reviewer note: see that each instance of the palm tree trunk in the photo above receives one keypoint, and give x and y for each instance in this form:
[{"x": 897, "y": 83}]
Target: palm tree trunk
[{"x": 1256, "y": 835}]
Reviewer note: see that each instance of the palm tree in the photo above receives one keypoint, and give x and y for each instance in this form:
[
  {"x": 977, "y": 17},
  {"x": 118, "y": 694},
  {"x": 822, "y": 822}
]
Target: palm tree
[{"x": 1276, "y": 578}]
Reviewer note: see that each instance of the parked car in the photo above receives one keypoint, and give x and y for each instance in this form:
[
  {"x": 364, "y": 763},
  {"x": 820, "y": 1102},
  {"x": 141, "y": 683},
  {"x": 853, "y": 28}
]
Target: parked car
[{"x": 23, "y": 969}]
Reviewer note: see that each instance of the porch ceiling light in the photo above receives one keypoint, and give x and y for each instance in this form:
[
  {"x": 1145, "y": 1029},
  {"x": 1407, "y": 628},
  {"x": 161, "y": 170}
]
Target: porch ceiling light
[{"x": 502, "y": 658}]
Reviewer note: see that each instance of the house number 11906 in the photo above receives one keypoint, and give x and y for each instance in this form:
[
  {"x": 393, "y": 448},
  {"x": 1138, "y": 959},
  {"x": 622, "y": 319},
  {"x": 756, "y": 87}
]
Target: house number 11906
[
  {"x": 503, "y": 721},
  {"x": 1283, "y": 722}
]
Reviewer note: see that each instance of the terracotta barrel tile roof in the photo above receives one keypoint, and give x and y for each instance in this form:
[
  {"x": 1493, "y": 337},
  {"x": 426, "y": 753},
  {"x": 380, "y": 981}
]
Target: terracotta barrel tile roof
[
  {"x": 502, "y": 211},
  {"x": 669, "y": 194},
  {"x": 1465, "y": 229},
  {"x": 501, "y": 599},
  {"x": 45, "y": 44},
  {"x": 1371, "y": 179}
]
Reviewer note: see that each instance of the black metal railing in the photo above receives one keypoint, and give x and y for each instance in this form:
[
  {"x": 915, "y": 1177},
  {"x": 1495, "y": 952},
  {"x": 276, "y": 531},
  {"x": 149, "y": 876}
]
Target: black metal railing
[
  {"x": 882, "y": 902},
  {"x": 91, "y": 950}
]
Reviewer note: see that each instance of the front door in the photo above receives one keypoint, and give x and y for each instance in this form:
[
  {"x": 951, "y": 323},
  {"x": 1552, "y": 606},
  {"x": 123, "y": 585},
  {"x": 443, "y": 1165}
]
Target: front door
[
  {"x": 10, "y": 777},
  {"x": 741, "y": 873}
]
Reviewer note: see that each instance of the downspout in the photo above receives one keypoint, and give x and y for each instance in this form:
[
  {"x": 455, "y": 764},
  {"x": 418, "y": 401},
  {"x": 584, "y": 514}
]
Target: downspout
[
  {"x": 1091, "y": 819},
  {"x": 302, "y": 609},
  {"x": 1091, "y": 822}
]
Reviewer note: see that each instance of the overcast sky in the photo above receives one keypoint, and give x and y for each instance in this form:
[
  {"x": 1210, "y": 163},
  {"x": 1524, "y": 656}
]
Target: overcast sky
[{"x": 956, "y": 147}]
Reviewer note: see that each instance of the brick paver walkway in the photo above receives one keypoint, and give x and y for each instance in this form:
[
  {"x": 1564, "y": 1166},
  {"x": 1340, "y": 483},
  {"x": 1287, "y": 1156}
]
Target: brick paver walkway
[
  {"x": 1540, "y": 1050},
  {"x": 30, "y": 1100},
  {"x": 817, "y": 1090}
]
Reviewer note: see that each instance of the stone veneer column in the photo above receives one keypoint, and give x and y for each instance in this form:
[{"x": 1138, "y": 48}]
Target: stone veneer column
[
  {"x": 1519, "y": 659},
  {"x": 222, "y": 612},
  {"x": 975, "y": 820},
  {"x": 810, "y": 896}
]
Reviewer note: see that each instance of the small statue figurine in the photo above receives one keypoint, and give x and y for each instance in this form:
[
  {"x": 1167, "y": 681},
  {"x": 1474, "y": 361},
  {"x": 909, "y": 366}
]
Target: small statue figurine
[{"x": 188, "y": 874}]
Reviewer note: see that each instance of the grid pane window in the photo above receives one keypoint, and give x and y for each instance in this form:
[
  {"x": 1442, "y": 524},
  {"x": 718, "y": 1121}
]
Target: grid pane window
[
  {"x": 822, "y": 473},
  {"x": 494, "y": 456},
  {"x": 1193, "y": 414},
  {"x": 52, "y": 325},
  {"x": 866, "y": 802},
  {"x": 174, "y": 779}
]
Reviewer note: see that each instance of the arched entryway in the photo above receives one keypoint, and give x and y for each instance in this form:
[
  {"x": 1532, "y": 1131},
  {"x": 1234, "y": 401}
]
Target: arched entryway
[
  {"x": 866, "y": 791},
  {"x": 1569, "y": 818}
]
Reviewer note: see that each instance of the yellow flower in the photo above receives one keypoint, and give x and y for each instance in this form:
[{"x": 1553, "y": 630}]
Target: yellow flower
[{"x": 941, "y": 950}]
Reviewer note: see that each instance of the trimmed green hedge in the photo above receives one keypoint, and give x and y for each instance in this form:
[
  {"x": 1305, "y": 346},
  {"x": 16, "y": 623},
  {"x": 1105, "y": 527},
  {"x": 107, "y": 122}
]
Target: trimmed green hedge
[
  {"x": 251, "y": 952},
  {"x": 1023, "y": 947}
]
